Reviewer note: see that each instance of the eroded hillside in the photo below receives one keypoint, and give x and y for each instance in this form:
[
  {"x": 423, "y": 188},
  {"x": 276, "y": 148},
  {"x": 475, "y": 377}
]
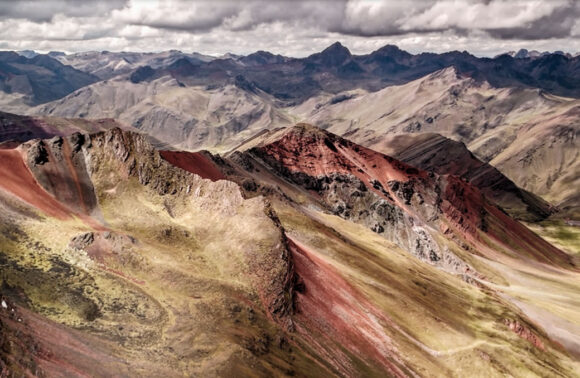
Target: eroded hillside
[{"x": 320, "y": 257}]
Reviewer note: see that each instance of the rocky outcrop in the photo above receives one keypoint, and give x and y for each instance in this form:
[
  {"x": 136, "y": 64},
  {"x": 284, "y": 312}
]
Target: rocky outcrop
[
  {"x": 362, "y": 196},
  {"x": 401, "y": 202},
  {"x": 524, "y": 332},
  {"x": 280, "y": 295},
  {"x": 272, "y": 272},
  {"x": 60, "y": 168},
  {"x": 433, "y": 152}
]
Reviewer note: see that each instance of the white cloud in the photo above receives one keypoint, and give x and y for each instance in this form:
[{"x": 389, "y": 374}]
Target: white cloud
[
  {"x": 475, "y": 15},
  {"x": 295, "y": 28}
]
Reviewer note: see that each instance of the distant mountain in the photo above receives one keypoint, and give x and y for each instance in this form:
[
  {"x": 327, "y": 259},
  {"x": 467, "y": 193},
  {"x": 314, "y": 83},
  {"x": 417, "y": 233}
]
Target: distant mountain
[
  {"x": 335, "y": 69},
  {"x": 27, "y": 53},
  {"x": 17, "y": 128},
  {"x": 39, "y": 79},
  {"x": 433, "y": 152},
  {"x": 261, "y": 58},
  {"x": 189, "y": 117},
  {"x": 106, "y": 65},
  {"x": 532, "y": 54},
  {"x": 529, "y": 135},
  {"x": 294, "y": 80}
]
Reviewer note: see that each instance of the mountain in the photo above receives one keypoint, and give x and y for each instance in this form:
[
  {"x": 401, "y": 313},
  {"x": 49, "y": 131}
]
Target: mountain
[
  {"x": 106, "y": 64},
  {"x": 102, "y": 296},
  {"x": 325, "y": 163},
  {"x": 189, "y": 117},
  {"x": 36, "y": 80},
  {"x": 527, "y": 134},
  {"x": 420, "y": 219},
  {"x": 290, "y": 81},
  {"x": 260, "y": 58},
  {"x": 526, "y": 54},
  {"x": 433, "y": 152},
  {"x": 171, "y": 95},
  {"x": 217, "y": 104},
  {"x": 27, "y": 53},
  {"x": 333, "y": 56},
  {"x": 111, "y": 253},
  {"x": 321, "y": 174},
  {"x": 16, "y": 128}
]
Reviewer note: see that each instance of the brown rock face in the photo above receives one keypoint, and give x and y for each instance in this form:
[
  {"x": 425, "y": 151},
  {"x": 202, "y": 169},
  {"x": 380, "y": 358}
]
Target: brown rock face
[{"x": 194, "y": 162}]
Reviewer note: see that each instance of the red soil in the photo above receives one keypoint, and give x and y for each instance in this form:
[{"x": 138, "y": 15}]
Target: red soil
[
  {"x": 464, "y": 206},
  {"x": 67, "y": 180},
  {"x": 315, "y": 152},
  {"x": 344, "y": 318},
  {"x": 318, "y": 153},
  {"x": 193, "y": 162},
  {"x": 16, "y": 178},
  {"x": 75, "y": 177},
  {"x": 121, "y": 274},
  {"x": 9, "y": 145},
  {"x": 56, "y": 351}
]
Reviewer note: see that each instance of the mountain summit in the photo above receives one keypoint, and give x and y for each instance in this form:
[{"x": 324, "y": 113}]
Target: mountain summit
[{"x": 332, "y": 56}]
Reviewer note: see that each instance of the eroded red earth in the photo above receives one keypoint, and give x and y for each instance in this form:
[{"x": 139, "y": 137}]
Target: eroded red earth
[
  {"x": 193, "y": 162},
  {"x": 338, "y": 312},
  {"x": 16, "y": 178},
  {"x": 467, "y": 213}
]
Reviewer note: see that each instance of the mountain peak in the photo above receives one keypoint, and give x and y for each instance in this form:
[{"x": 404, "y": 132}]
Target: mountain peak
[
  {"x": 334, "y": 55},
  {"x": 336, "y": 47},
  {"x": 307, "y": 132},
  {"x": 391, "y": 50}
]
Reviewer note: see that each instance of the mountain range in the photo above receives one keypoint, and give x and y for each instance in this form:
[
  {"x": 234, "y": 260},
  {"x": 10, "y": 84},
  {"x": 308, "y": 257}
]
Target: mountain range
[{"x": 388, "y": 214}]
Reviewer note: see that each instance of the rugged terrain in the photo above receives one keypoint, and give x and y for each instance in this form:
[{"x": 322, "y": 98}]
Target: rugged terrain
[
  {"x": 118, "y": 258},
  {"x": 88, "y": 279},
  {"x": 186, "y": 117},
  {"x": 268, "y": 86},
  {"x": 530, "y": 136},
  {"x": 37, "y": 80},
  {"x": 434, "y": 152},
  {"x": 422, "y": 221}
]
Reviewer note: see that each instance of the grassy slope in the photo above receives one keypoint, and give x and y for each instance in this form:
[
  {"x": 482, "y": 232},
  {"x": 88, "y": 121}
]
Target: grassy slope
[
  {"x": 178, "y": 301},
  {"x": 181, "y": 299},
  {"x": 444, "y": 326}
]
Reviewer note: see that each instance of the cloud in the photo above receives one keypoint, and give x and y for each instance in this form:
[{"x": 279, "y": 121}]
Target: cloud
[
  {"x": 502, "y": 19},
  {"x": 203, "y": 15},
  {"x": 45, "y": 10},
  {"x": 290, "y": 27}
]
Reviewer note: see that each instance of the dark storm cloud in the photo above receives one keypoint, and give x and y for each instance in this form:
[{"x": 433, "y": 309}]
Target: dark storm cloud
[{"x": 45, "y": 10}]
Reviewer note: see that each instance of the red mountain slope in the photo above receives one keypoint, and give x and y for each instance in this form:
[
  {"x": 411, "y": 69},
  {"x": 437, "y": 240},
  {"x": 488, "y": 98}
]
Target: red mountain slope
[{"x": 309, "y": 156}]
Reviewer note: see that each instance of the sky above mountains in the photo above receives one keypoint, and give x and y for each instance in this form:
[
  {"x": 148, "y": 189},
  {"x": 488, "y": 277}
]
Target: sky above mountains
[{"x": 293, "y": 28}]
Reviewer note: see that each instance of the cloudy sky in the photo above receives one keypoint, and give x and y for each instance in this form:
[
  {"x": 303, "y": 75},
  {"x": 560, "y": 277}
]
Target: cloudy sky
[{"x": 290, "y": 27}]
